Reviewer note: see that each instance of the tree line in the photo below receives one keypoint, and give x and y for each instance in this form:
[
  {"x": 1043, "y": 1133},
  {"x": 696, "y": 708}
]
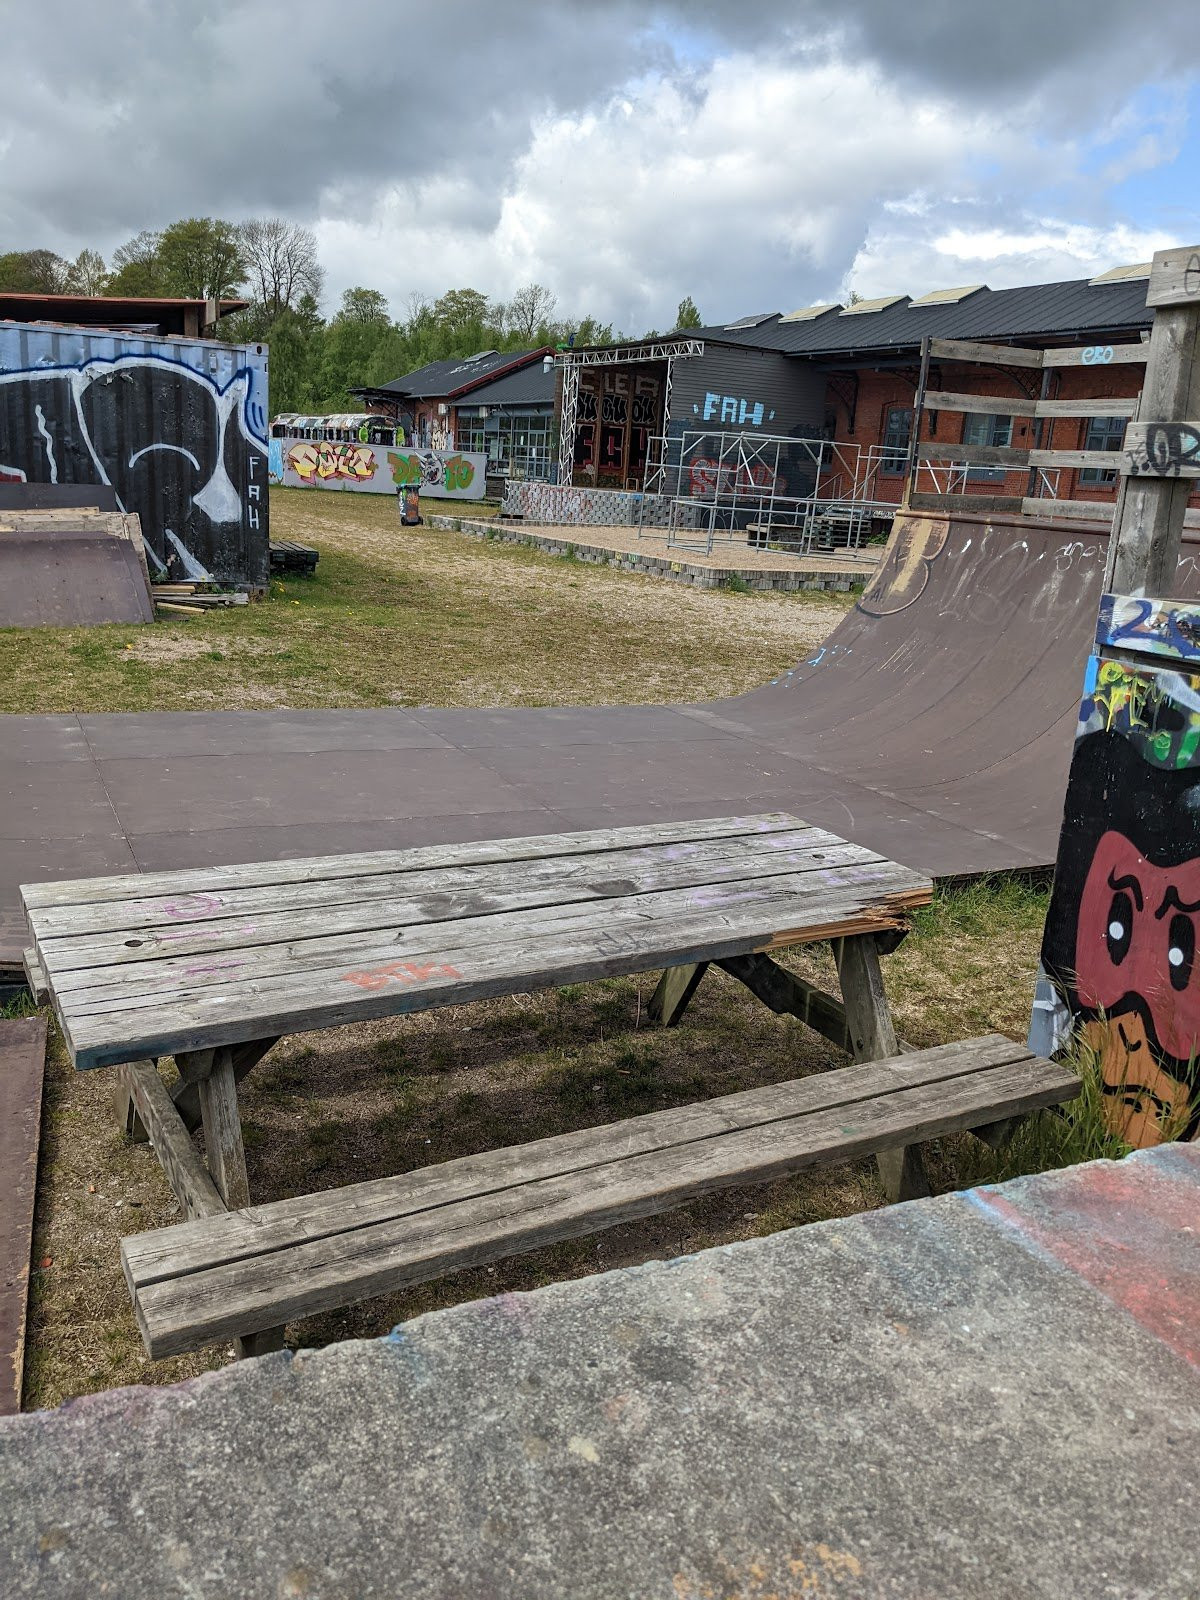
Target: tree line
[{"x": 315, "y": 361}]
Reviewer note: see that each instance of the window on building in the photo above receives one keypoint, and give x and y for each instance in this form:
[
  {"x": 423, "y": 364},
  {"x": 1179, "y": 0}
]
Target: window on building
[
  {"x": 980, "y": 427},
  {"x": 1103, "y": 433},
  {"x": 897, "y": 432}
]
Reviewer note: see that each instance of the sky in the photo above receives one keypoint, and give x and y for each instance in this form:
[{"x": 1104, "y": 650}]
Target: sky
[{"x": 757, "y": 156}]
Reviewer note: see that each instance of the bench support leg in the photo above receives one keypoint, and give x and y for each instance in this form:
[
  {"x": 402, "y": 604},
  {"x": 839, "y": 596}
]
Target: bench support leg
[
  {"x": 259, "y": 1344},
  {"x": 787, "y": 995},
  {"x": 872, "y": 1037},
  {"x": 186, "y": 1093},
  {"x": 212, "y": 1072},
  {"x": 674, "y": 993}
]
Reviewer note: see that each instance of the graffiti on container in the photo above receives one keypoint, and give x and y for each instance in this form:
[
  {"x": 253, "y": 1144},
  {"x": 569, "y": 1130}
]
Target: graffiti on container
[
  {"x": 185, "y": 452},
  {"x": 325, "y": 459},
  {"x": 708, "y": 476},
  {"x": 735, "y": 409},
  {"x": 1119, "y": 954},
  {"x": 415, "y": 468}
]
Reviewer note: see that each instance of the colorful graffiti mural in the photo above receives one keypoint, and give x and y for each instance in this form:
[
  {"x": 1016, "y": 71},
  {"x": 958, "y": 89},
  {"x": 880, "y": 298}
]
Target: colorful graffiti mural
[
  {"x": 330, "y": 464},
  {"x": 1119, "y": 955},
  {"x": 176, "y": 428},
  {"x": 324, "y": 460}
]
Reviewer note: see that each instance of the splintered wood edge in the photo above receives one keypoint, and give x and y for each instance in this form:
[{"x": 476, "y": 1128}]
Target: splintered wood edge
[{"x": 894, "y": 913}]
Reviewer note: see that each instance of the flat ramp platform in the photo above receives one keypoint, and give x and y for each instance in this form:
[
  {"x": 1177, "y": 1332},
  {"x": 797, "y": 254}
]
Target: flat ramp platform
[
  {"x": 69, "y": 572},
  {"x": 990, "y": 1394},
  {"x": 934, "y": 726}
]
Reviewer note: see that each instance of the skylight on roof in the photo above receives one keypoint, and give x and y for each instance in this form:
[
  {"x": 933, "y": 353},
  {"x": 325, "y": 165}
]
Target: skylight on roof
[
  {"x": 749, "y": 322},
  {"x": 865, "y": 308},
  {"x": 947, "y": 297},
  {"x": 807, "y": 313},
  {"x": 480, "y": 355},
  {"x": 1122, "y": 274}
]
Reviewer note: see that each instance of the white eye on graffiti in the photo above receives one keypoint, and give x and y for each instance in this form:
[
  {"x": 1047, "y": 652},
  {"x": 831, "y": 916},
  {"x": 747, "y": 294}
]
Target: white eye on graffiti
[
  {"x": 1176, "y": 956},
  {"x": 1116, "y": 931}
]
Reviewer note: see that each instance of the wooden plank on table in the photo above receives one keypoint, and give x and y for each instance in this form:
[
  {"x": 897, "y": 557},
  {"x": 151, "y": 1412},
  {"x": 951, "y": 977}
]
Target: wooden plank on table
[
  {"x": 183, "y": 1311},
  {"x": 975, "y": 405},
  {"x": 1001, "y": 355},
  {"x": 180, "y": 1160},
  {"x": 22, "y": 1064},
  {"x": 1175, "y": 277},
  {"x": 1097, "y": 355},
  {"x": 212, "y": 880},
  {"x": 998, "y": 455},
  {"x": 82, "y": 962},
  {"x": 279, "y": 1224},
  {"x": 964, "y": 502},
  {"x": 1113, "y": 406},
  {"x": 494, "y": 885},
  {"x": 1104, "y": 460},
  {"x": 580, "y": 944}
]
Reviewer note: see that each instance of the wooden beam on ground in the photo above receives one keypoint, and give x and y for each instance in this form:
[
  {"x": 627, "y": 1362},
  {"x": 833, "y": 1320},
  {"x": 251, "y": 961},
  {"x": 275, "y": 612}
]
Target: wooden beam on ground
[
  {"x": 22, "y": 1065},
  {"x": 178, "y": 1157}
]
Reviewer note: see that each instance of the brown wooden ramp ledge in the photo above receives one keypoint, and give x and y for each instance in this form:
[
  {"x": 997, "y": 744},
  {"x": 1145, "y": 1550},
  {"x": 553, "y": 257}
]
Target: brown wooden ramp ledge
[{"x": 22, "y": 1062}]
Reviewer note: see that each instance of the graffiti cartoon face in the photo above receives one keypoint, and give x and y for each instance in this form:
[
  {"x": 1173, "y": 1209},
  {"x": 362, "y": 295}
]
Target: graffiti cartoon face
[{"x": 1135, "y": 958}]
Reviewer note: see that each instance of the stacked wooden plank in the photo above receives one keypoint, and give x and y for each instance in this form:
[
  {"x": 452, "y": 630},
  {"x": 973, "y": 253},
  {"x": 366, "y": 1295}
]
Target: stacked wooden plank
[{"x": 189, "y": 599}]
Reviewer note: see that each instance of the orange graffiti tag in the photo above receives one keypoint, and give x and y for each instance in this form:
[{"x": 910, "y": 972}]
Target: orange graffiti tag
[{"x": 401, "y": 972}]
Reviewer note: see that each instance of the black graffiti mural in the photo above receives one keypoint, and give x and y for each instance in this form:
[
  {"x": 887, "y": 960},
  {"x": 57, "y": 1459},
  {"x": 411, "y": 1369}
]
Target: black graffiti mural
[{"x": 187, "y": 454}]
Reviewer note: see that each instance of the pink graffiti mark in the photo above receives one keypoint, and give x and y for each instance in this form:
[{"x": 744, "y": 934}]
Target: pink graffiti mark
[
  {"x": 401, "y": 972},
  {"x": 194, "y": 905},
  {"x": 204, "y": 969},
  {"x": 203, "y": 933}
]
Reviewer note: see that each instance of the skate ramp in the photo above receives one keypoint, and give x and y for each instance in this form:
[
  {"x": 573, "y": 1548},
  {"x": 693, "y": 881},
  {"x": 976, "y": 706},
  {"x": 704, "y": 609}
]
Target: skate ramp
[
  {"x": 935, "y": 725},
  {"x": 59, "y": 570}
]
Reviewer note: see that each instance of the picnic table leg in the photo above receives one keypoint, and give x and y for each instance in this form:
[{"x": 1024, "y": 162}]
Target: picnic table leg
[
  {"x": 873, "y": 1037},
  {"x": 213, "y": 1073},
  {"x": 674, "y": 993}
]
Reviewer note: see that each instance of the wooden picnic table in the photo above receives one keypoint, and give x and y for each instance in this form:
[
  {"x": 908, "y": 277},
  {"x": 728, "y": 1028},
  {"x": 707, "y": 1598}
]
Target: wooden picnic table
[{"x": 213, "y": 965}]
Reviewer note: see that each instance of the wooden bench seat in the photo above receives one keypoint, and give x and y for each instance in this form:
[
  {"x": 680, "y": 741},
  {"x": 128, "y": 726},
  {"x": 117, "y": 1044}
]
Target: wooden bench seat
[{"x": 234, "y": 1273}]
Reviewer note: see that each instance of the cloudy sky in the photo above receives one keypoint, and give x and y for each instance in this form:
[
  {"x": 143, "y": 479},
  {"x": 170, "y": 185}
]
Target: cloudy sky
[{"x": 756, "y": 155}]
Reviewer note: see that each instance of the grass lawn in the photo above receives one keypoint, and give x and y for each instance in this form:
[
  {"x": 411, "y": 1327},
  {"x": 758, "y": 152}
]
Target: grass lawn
[{"x": 403, "y": 617}]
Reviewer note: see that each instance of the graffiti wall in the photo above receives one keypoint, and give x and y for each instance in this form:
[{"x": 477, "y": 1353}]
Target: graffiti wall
[
  {"x": 177, "y": 427},
  {"x": 1119, "y": 957},
  {"x": 379, "y": 469}
]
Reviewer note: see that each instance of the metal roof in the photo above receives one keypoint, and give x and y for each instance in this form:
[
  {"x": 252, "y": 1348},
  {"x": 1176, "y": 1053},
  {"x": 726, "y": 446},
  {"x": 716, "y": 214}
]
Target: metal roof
[
  {"x": 443, "y": 380},
  {"x": 86, "y": 310},
  {"x": 1036, "y": 313},
  {"x": 532, "y": 385}
]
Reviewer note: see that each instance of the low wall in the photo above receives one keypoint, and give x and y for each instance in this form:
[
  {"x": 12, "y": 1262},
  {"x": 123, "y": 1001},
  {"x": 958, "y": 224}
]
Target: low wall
[
  {"x": 563, "y": 503},
  {"x": 377, "y": 468}
]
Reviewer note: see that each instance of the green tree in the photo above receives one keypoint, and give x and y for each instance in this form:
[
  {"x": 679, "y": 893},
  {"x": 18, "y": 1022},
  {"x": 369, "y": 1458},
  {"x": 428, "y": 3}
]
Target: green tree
[
  {"x": 687, "y": 316},
  {"x": 461, "y": 315},
  {"x": 529, "y": 310},
  {"x": 201, "y": 258},
  {"x": 87, "y": 274},
  {"x": 349, "y": 347},
  {"x": 32, "y": 272},
  {"x": 137, "y": 266},
  {"x": 281, "y": 262}
]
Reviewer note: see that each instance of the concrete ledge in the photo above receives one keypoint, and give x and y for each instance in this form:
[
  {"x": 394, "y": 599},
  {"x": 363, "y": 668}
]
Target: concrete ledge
[
  {"x": 992, "y": 1394},
  {"x": 766, "y": 579}
]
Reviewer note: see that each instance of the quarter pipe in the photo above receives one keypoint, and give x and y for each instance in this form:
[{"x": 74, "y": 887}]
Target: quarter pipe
[{"x": 934, "y": 725}]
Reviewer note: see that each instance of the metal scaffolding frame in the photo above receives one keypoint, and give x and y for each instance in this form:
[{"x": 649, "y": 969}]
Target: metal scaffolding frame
[
  {"x": 572, "y": 363},
  {"x": 742, "y": 487}
]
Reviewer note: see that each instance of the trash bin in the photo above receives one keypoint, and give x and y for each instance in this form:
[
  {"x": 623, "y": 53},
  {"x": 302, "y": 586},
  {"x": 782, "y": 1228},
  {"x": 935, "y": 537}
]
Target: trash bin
[{"x": 410, "y": 507}]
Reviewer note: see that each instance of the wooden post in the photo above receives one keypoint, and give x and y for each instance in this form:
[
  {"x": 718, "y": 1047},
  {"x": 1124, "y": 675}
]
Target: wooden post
[
  {"x": 1144, "y": 552},
  {"x": 911, "y": 467},
  {"x": 873, "y": 1037},
  {"x": 213, "y": 1072},
  {"x": 674, "y": 993}
]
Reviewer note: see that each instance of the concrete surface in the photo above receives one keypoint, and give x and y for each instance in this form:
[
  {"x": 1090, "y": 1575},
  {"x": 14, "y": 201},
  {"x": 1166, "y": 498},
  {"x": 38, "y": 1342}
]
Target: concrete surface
[{"x": 993, "y": 1394}]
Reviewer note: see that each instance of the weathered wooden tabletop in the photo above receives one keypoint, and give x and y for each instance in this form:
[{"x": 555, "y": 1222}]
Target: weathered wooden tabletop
[{"x": 165, "y": 963}]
